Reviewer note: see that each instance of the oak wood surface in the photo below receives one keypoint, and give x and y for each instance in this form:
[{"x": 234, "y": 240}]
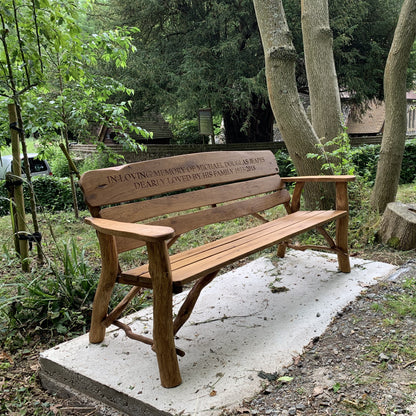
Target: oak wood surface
[
  {"x": 155, "y": 177},
  {"x": 194, "y": 263},
  {"x": 150, "y": 208},
  {"x": 152, "y": 203}
]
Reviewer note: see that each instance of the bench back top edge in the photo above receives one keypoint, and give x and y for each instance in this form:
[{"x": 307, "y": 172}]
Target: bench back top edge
[{"x": 160, "y": 176}]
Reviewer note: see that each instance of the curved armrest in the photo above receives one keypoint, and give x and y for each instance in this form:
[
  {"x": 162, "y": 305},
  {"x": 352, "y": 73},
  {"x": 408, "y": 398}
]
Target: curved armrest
[
  {"x": 340, "y": 183},
  {"x": 144, "y": 232},
  {"x": 319, "y": 178}
]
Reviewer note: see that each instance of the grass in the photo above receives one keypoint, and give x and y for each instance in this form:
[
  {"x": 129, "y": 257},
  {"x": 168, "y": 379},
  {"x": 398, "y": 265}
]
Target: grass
[{"x": 30, "y": 144}]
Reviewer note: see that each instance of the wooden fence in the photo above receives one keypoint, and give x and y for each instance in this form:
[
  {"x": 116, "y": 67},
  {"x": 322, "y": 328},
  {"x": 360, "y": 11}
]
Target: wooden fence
[{"x": 155, "y": 151}]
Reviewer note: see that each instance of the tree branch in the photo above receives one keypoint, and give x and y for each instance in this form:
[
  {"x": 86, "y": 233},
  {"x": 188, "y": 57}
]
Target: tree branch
[{"x": 20, "y": 42}]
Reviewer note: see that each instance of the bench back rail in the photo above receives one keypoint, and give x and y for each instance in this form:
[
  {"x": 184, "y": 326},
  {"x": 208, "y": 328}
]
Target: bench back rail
[{"x": 225, "y": 180}]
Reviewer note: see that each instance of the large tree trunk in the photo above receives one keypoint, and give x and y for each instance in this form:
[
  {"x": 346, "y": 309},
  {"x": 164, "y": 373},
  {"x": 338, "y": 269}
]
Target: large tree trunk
[
  {"x": 246, "y": 126},
  {"x": 394, "y": 135},
  {"x": 326, "y": 114},
  {"x": 291, "y": 118}
]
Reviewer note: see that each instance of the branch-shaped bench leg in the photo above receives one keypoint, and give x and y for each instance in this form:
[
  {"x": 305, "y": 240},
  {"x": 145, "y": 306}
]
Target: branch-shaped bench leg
[
  {"x": 188, "y": 305},
  {"x": 164, "y": 345},
  {"x": 105, "y": 287},
  {"x": 341, "y": 238}
]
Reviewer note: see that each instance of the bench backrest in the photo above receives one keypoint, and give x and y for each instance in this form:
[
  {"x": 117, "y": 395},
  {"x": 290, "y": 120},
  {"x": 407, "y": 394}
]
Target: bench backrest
[{"x": 222, "y": 185}]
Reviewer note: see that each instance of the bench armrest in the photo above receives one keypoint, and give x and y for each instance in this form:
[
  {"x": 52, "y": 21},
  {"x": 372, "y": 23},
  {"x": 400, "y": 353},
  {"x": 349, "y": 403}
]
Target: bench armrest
[
  {"x": 340, "y": 181},
  {"x": 144, "y": 232},
  {"x": 319, "y": 178}
]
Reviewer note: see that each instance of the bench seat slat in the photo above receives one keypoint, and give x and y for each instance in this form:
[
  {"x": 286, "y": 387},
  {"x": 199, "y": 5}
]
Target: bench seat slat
[{"x": 197, "y": 262}]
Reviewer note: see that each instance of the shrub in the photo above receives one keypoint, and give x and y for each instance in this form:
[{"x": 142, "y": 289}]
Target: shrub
[
  {"x": 55, "y": 298},
  {"x": 185, "y": 131},
  {"x": 286, "y": 166},
  {"x": 58, "y": 163},
  {"x": 408, "y": 172},
  {"x": 365, "y": 159},
  {"x": 52, "y": 194}
]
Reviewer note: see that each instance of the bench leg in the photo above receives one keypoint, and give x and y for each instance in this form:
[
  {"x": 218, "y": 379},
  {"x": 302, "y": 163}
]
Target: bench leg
[
  {"x": 164, "y": 345},
  {"x": 188, "y": 305},
  {"x": 105, "y": 287},
  {"x": 342, "y": 244},
  {"x": 281, "y": 249}
]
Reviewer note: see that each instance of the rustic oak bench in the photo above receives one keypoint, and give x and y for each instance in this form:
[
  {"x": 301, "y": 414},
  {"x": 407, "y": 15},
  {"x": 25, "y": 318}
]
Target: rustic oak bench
[{"x": 130, "y": 205}]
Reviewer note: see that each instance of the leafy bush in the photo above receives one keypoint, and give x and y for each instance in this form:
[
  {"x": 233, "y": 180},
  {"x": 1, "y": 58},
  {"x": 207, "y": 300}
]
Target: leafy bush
[
  {"x": 408, "y": 172},
  {"x": 55, "y": 298},
  {"x": 49, "y": 299},
  {"x": 58, "y": 163},
  {"x": 365, "y": 159},
  {"x": 185, "y": 131},
  {"x": 286, "y": 166},
  {"x": 52, "y": 194}
]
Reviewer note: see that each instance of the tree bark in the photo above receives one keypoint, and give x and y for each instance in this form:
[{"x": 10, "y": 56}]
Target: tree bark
[
  {"x": 398, "y": 226},
  {"x": 394, "y": 135},
  {"x": 326, "y": 114},
  {"x": 290, "y": 116}
]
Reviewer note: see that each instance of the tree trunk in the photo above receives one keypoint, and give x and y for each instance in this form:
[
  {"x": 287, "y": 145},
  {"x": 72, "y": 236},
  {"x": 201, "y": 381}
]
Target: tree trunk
[
  {"x": 398, "y": 226},
  {"x": 290, "y": 116},
  {"x": 245, "y": 126},
  {"x": 326, "y": 114},
  {"x": 394, "y": 135}
]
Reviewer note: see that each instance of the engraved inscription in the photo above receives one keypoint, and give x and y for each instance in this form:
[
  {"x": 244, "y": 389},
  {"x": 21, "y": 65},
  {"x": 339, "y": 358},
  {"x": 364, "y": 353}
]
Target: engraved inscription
[{"x": 183, "y": 174}]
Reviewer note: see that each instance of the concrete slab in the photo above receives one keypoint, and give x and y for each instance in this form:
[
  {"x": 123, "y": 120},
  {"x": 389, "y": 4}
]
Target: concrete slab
[{"x": 240, "y": 326}]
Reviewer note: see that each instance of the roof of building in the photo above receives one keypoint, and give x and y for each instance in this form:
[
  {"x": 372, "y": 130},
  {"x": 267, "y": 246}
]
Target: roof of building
[
  {"x": 155, "y": 123},
  {"x": 371, "y": 122}
]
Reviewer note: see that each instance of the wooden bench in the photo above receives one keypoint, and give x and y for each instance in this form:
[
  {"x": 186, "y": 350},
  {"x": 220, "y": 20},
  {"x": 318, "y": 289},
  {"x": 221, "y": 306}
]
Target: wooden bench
[{"x": 127, "y": 203}]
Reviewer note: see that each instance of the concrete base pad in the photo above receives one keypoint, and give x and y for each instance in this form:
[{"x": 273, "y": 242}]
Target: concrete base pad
[{"x": 255, "y": 318}]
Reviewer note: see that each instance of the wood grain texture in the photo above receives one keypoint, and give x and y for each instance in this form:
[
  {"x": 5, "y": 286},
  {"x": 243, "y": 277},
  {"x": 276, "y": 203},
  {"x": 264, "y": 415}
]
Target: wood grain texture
[
  {"x": 143, "y": 210},
  {"x": 320, "y": 178},
  {"x": 197, "y": 262},
  {"x": 143, "y": 232},
  {"x": 193, "y": 191},
  {"x": 109, "y": 273},
  {"x": 155, "y": 177},
  {"x": 164, "y": 344}
]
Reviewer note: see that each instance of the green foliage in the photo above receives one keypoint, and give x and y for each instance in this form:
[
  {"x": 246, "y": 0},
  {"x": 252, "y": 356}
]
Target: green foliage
[
  {"x": 209, "y": 53},
  {"x": 365, "y": 159},
  {"x": 184, "y": 131},
  {"x": 49, "y": 299},
  {"x": 337, "y": 152},
  {"x": 52, "y": 72},
  {"x": 403, "y": 304},
  {"x": 55, "y": 298},
  {"x": 57, "y": 162},
  {"x": 52, "y": 194},
  {"x": 362, "y": 32},
  {"x": 408, "y": 172},
  {"x": 192, "y": 55},
  {"x": 286, "y": 166},
  {"x": 362, "y": 161}
]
